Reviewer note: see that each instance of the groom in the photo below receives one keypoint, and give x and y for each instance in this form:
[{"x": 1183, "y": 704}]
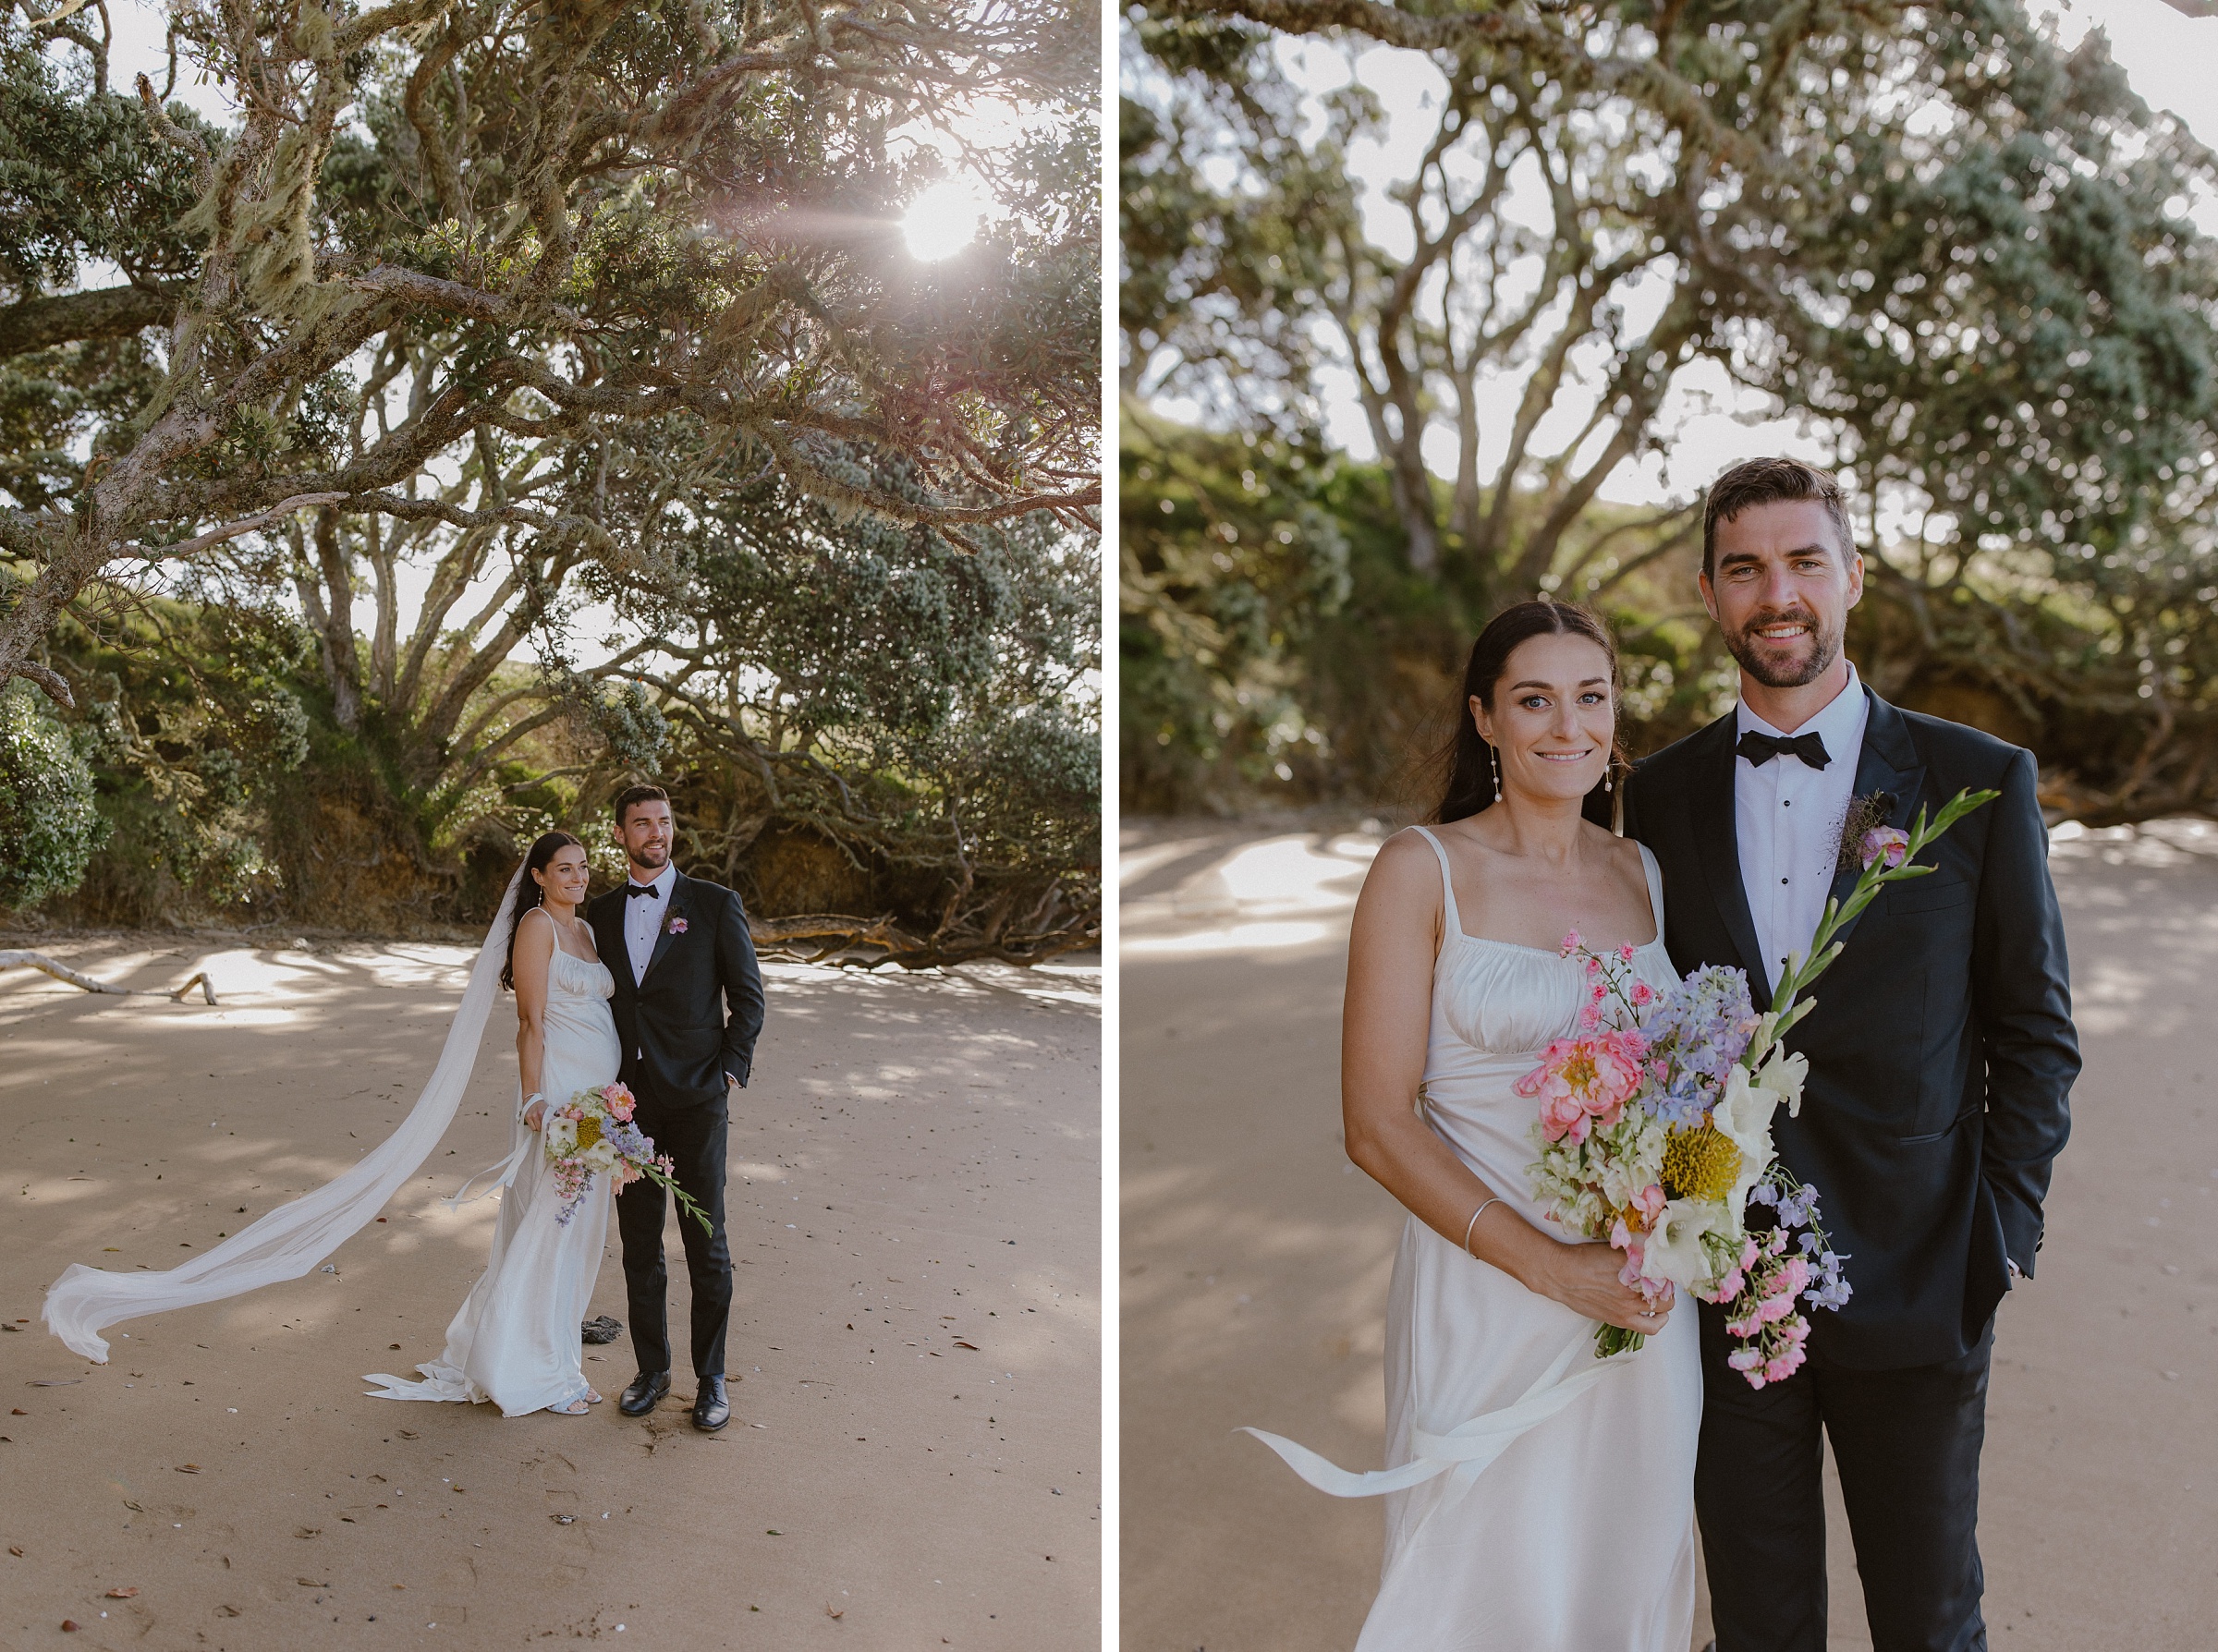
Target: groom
[
  {"x": 1941, "y": 1057},
  {"x": 688, "y": 1007}
]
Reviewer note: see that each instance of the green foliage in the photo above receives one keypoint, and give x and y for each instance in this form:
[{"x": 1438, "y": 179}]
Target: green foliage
[
  {"x": 1278, "y": 649},
  {"x": 1961, "y": 252},
  {"x": 48, "y": 825}
]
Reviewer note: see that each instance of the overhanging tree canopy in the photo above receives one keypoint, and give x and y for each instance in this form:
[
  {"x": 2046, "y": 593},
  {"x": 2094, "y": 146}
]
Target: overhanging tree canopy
[{"x": 451, "y": 253}]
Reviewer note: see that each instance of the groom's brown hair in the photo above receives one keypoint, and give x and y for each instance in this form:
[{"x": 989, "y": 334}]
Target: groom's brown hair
[
  {"x": 1764, "y": 481},
  {"x": 639, "y": 794}
]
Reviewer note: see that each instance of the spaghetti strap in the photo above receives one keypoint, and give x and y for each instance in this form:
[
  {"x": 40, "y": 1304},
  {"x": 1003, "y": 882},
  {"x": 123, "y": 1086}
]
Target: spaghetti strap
[
  {"x": 1447, "y": 880},
  {"x": 1655, "y": 887}
]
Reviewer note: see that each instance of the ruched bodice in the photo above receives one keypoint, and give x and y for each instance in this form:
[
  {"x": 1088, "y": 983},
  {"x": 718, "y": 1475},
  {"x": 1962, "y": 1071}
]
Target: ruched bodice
[
  {"x": 581, "y": 1047},
  {"x": 1496, "y": 1007}
]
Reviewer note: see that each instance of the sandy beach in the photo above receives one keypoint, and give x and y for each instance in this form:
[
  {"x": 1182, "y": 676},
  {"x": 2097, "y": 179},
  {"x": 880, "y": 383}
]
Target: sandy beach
[
  {"x": 1255, "y": 1262},
  {"x": 914, "y": 1458}
]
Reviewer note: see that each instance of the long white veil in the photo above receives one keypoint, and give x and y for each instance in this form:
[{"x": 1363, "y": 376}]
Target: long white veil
[{"x": 292, "y": 1239}]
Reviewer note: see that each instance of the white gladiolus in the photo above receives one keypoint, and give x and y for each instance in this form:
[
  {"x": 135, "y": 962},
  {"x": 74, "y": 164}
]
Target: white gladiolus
[
  {"x": 1674, "y": 1250},
  {"x": 562, "y": 1135},
  {"x": 1782, "y": 1074},
  {"x": 1743, "y": 1115}
]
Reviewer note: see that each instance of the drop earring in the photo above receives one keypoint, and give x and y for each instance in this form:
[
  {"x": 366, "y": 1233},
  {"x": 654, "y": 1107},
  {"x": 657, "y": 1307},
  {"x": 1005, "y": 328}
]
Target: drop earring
[
  {"x": 1609, "y": 765},
  {"x": 1494, "y": 764}
]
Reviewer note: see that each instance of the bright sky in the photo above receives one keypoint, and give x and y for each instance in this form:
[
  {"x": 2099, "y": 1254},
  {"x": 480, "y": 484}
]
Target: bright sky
[{"x": 2168, "y": 57}]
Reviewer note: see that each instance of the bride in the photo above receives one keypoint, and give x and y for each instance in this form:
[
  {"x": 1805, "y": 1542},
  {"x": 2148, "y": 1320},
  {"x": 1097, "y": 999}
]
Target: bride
[
  {"x": 516, "y": 1340},
  {"x": 1538, "y": 1500}
]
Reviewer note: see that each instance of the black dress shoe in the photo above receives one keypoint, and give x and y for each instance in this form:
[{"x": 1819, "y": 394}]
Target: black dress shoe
[
  {"x": 710, "y": 1409},
  {"x": 646, "y": 1389}
]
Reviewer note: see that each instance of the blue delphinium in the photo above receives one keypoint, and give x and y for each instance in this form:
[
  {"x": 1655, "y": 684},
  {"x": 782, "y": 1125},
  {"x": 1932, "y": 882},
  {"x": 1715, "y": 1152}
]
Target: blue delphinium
[{"x": 1699, "y": 1031}]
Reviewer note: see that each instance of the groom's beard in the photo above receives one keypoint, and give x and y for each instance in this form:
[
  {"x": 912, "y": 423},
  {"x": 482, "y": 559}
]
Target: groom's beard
[
  {"x": 1774, "y": 670},
  {"x": 650, "y": 859}
]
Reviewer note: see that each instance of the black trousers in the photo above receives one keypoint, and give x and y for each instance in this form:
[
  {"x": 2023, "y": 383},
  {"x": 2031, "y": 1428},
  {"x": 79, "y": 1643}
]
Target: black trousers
[
  {"x": 1906, "y": 1444},
  {"x": 694, "y": 1137}
]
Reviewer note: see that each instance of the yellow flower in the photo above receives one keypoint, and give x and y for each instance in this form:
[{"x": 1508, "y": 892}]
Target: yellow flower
[
  {"x": 1700, "y": 1164},
  {"x": 589, "y": 1132}
]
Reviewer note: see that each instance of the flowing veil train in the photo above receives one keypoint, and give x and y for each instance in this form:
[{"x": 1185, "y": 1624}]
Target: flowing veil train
[{"x": 291, "y": 1240}]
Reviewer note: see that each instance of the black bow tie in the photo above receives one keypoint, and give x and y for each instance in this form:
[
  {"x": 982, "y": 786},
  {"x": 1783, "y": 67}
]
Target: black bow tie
[
  {"x": 650, "y": 891},
  {"x": 1760, "y": 748}
]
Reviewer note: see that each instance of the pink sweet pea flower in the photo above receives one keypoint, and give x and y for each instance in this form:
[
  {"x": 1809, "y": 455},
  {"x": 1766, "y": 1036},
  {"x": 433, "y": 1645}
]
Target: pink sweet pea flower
[
  {"x": 1650, "y": 1202},
  {"x": 1889, "y": 844},
  {"x": 1779, "y": 1368},
  {"x": 1745, "y": 1359},
  {"x": 1729, "y": 1286}
]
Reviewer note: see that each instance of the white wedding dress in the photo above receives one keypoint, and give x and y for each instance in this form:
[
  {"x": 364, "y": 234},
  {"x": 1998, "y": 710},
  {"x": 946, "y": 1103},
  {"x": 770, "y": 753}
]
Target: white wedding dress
[
  {"x": 515, "y": 1340},
  {"x": 1538, "y": 1500}
]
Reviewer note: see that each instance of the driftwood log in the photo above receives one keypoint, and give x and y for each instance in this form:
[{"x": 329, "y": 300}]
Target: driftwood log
[{"x": 61, "y": 972}]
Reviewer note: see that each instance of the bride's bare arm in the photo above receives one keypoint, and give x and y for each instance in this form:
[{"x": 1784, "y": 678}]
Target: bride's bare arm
[
  {"x": 534, "y": 950},
  {"x": 1384, "y": 1026}
]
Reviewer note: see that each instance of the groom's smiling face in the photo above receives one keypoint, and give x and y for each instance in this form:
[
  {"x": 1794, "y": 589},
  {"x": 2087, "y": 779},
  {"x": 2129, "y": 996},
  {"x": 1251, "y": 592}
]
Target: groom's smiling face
[{"x": 1780, "y": 590}]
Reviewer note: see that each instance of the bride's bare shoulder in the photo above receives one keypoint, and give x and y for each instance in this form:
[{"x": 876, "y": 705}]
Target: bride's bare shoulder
[{"x": 1404, "y": 868}]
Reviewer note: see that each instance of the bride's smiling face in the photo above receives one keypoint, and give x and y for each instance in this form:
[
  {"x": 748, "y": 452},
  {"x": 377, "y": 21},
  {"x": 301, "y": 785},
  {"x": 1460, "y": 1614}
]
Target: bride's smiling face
[
  {"x": 1554, "y": 716},
  {"x": 565, "y": 877}
]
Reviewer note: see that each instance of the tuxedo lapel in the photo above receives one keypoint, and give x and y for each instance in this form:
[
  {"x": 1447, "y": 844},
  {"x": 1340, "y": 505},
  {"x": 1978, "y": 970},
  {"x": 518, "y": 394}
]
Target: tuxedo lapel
[
  {"x": 1888, "y": 763},
  {"x": 1717, "y": 847},
  {"x": 662, "y": 935}
]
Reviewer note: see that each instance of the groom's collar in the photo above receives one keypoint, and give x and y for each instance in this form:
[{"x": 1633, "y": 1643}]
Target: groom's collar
[
  {"x": 1840, "y": 724},
  {"x": 662, "y": 882}
]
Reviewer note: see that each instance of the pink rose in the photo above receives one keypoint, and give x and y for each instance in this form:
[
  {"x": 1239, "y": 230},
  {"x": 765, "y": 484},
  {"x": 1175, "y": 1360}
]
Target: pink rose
[
  {"x": 1570, "y": 943},
  {"x": 1889, "y": 844},
  {"x": 1643, "y": 995},
  {"x": 1624, "y": 953}
]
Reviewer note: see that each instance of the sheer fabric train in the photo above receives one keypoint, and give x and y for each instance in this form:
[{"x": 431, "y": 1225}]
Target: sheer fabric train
[{"x": 294, "y": 1238}]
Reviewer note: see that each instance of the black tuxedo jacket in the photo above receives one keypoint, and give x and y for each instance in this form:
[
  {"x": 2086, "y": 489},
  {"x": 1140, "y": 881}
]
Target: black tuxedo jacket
[
  {"x": 1942, "y": 1051},
  {"x": 678, "y": 1041}
]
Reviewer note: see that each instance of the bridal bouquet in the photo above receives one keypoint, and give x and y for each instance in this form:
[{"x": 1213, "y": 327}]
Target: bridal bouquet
[
  {"x": 592, "y": 1134},
  {"x": 1655, "y": 1126}
]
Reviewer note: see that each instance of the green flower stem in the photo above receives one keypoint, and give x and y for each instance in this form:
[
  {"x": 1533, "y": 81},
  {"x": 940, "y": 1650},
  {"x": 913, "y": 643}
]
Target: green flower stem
[{"x": 1804, "y": 968}]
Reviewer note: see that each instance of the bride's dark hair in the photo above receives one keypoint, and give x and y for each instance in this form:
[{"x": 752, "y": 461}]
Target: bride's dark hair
[
  {"x": 1466, "y": 764},
  {"x": 529, "y": 894}
]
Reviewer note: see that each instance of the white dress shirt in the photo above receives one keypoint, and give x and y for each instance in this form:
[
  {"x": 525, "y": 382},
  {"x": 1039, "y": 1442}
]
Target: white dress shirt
[
  {"x": 1789, "y": 817},
  {"x": 643, "y": 919}
]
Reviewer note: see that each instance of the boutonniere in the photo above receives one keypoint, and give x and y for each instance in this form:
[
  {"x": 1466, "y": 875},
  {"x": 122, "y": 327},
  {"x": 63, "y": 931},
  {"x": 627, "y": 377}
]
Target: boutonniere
[
  {"x": 677, "y": 925},
  {"x": 1866, "y": 838}
]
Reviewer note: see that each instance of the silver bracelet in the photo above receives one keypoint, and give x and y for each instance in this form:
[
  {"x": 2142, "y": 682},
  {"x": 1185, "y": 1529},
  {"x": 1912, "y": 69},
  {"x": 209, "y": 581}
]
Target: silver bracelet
[{"x": 1474, "y": 1222}]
